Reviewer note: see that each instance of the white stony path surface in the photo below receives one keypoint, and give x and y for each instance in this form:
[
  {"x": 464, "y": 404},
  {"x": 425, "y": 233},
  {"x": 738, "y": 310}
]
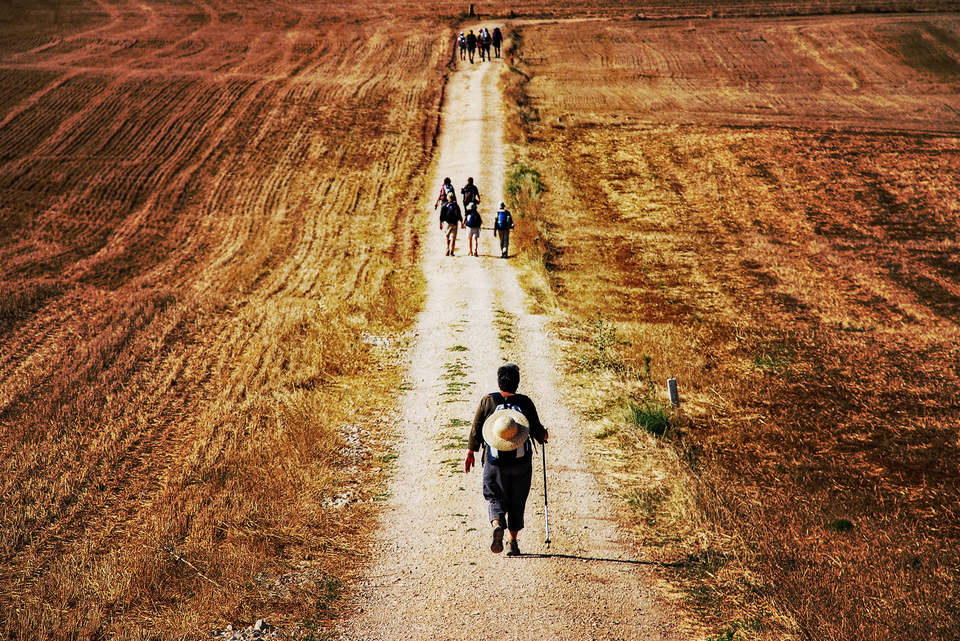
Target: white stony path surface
[{"x": 433, "y": 575}]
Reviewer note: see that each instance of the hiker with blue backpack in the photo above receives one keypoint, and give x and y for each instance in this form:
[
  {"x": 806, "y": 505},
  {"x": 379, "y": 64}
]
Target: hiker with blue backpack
[
  {"x": 502, "y": 227},
  {"x": 505, "y": 426}
]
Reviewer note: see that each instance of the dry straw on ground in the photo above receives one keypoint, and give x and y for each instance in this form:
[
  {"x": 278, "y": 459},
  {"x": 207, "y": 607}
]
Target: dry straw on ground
[
  {"x": 205, "y": 248},
  {"x": 204, "y": 209},
  {"x": 798, "y": 279}
]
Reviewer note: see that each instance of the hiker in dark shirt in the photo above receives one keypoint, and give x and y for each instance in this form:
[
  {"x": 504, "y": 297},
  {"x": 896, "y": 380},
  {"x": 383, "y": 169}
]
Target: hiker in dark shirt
[
  {"x": 505, "y": 426},
  {"x": 471, "y": 45},
  {"x": 483, "y": 42},
  {"x": 470, "y": 193},
  {"x": 496, "y": 39},
  {"x": 451, "y": 219}
]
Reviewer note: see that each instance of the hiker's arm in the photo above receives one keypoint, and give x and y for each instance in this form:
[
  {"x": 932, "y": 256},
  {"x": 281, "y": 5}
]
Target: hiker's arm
[
  {"x": 485, "y": 409},
  {"x": 475, "y": 440}
]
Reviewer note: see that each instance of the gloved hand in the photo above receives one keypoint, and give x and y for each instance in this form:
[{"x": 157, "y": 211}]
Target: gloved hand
[{"x": 469, "y": 462}]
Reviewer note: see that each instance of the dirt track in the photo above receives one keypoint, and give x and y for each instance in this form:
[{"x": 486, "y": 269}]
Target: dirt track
[{"x": 434, "y": 576}]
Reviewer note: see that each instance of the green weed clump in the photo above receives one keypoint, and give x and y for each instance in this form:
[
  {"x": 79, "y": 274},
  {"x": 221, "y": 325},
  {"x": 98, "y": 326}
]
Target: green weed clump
[
  {"x": 523, "y": 185},
  {"x": 651, "y": 416}
]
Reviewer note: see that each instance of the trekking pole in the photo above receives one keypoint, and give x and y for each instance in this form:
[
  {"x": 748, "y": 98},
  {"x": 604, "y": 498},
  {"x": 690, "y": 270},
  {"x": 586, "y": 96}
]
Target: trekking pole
[{"x": 546, "y": 514}]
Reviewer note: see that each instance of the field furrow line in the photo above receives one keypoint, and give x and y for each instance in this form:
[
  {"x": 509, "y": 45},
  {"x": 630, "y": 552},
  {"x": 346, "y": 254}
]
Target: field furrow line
[
  {"x": 29, "y": 357},
  {"x": 29, "y": 127}
]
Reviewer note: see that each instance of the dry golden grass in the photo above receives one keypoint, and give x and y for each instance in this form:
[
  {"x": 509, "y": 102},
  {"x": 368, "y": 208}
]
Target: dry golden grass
[
  {"x": 205, "y": 207},
  {"x": 204, "y": 226},
  {"x": 801, "y": 284},
  {"x": 198, "y": 519}
]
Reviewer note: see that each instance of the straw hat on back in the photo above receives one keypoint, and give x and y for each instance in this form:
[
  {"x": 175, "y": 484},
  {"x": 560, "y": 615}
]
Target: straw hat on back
[{"x": 506, "y": 430}]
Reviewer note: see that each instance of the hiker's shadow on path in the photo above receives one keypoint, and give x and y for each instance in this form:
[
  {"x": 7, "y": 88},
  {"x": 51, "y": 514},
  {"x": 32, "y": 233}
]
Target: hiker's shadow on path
[{"x": 575, "y": 557}]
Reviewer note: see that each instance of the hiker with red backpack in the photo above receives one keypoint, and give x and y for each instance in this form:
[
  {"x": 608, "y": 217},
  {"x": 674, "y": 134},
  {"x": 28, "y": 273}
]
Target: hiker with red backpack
[
  {"x": 506, "y": 425},
  {"x": 446, "y": 189}
]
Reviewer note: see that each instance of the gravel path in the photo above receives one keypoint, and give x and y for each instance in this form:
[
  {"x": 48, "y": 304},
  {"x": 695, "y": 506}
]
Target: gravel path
[{"x": 433, "y": 575}]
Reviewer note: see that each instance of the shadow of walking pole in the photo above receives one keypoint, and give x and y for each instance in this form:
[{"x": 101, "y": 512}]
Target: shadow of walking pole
[{"x": 575, "y": 557}]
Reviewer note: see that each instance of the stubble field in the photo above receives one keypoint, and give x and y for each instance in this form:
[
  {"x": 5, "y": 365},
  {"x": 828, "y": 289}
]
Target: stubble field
[
  {"x": 207, "y": 225},
  {"x": 767, "y": 210},
  {"x": 205, "y": 232}
]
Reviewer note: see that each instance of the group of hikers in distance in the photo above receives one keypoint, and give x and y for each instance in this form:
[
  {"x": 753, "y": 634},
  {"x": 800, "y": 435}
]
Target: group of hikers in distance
[
  {"x": 469, "y": 44},
  {"x": 453, "y": 218}
]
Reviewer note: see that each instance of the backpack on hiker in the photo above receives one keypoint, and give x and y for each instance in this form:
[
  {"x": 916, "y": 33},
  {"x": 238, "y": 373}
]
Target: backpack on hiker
[
  {"x": 450, "y": 213},
  {"x": 497, "y": 457},
  {"x": 504, "y": 220},
  {"x": 472, "y": 218}
]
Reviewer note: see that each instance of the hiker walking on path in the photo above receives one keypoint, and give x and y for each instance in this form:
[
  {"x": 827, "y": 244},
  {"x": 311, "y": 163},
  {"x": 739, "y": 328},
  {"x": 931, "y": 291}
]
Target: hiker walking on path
[
  {"x": 502, "y": 228},
  {"x": 485, "y": 40},
  {"x": 450, "y": 220},
  {"x": 446, "y": 189},
  {"x": 496, "y": 39},
  {"x": 470, "y": 193},
  {"x": 462, "y": 46},
  {"x": 503, "y": 426},
  {"x": 473, "y": 221},
  {"x": 471, "y": 45}
]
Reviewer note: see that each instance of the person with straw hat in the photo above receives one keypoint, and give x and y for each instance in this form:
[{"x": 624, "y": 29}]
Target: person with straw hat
[{"x": 505, "y": 425}]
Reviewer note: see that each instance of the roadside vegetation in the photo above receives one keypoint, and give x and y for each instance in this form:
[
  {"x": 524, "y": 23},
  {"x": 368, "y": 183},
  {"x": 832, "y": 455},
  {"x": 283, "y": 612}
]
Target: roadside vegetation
[{"x": 799, "y": 282}]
